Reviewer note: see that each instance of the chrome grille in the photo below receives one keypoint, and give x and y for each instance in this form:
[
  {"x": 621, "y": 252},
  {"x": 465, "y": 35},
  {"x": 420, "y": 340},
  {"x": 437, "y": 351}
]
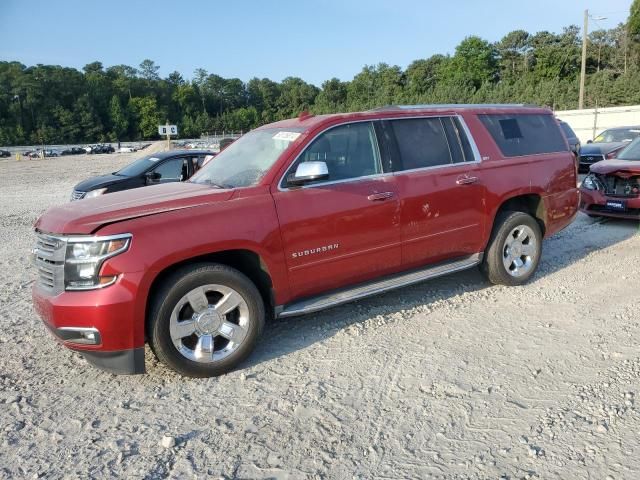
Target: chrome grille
[
  {"x": 77, "y": 195},
  {"x": 48, "y": 258}
]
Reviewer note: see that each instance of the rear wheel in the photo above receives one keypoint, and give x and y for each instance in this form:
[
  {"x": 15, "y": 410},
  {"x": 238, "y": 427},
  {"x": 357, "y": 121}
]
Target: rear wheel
[
  {"x": 514, "y": 249},
  {"x": 205, "y": 320}
]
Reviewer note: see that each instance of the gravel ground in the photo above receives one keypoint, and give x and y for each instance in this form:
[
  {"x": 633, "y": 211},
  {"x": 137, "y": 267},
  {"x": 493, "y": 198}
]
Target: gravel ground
[{"x": 452, "y": 378}]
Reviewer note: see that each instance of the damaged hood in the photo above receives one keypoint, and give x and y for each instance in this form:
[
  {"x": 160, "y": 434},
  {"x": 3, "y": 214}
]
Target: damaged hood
[
  {"x": 619, "y": 168},
  {"x": 86, "y": 216}
]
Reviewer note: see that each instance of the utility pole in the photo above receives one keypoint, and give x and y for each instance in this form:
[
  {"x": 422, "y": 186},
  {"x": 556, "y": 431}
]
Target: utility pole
[{"x": 583, "y": 68}]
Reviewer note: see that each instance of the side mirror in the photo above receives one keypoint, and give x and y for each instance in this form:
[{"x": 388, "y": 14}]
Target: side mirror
[
  {"x": 308, "y": 172},
  {"x": 152, "y": 177},
  {"x": 589, "y": 141}
]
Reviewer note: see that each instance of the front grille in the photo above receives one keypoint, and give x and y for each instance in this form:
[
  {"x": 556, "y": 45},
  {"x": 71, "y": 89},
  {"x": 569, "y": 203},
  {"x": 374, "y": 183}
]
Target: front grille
[
  {"x": 620, "y": 187},
  {"x": 590, "y": 159},
  {"x": 48, "y": 258},
  {"x": 77, "y": 195}
]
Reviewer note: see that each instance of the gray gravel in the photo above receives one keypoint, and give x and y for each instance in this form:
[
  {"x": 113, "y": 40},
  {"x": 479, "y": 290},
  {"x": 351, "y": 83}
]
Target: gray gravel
[{"x": 452, "y": 378}]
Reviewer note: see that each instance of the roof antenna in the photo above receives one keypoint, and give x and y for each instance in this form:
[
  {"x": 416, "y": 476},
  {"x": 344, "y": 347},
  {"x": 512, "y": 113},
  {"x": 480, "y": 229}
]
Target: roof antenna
[{"x": 304, "y": 115}]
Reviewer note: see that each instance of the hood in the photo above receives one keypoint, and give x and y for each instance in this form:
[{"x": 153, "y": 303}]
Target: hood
[
  {"x": 99, "y": 182},
  {"x": 619, "y": 168},
  {"x": 86, "y": 216},
  {"x": 601, "y": 148}
]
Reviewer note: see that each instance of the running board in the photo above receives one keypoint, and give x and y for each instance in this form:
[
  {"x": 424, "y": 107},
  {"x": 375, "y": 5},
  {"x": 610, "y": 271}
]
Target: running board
[{"x": 339, "y": 297}]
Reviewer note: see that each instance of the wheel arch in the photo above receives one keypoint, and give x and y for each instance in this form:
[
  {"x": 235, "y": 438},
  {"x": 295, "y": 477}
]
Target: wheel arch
[
  {"x": 531, "y": 203},
  {"x": 245, "y": 261}
]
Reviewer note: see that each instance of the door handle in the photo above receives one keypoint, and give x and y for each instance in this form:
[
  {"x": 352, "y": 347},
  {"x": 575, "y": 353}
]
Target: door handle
[
  {"x": 377, "y": 197},
  {"x": 466, "y": 180}
]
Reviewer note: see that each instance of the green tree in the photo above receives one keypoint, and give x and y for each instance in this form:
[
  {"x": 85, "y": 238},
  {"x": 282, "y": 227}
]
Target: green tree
[
  {"x": 119, "y": 120},
  {"x": 149, "y": 70},
  {"x": 147, "y": 116},
  {"x": 474, "y": 63}
]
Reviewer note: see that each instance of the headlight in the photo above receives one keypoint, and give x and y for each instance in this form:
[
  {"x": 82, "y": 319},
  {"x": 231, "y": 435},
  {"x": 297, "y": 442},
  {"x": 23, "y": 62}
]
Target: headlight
[
  {"x": 95, "y": 193},
  {"x": 590, "y": 183},
  {"x": 85, "y": 256}
]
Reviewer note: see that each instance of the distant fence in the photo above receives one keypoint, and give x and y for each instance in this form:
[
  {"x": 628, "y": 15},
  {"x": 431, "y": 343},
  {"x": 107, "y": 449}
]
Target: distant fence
[
  {"x": 590, "y": 122},
  {"x": 215, "y": 137}
]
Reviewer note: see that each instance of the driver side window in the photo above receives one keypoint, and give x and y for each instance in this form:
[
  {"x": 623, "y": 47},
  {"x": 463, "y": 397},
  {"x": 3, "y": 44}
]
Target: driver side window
[
  {"x": 174, "y": 170},
  {"x": 350, "y": 151}
]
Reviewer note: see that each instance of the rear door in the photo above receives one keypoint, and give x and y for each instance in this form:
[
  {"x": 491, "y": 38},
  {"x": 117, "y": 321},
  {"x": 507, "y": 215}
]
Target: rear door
[
  {"x": 441, "y": 189},
  {"x": 345, "y": 229}
]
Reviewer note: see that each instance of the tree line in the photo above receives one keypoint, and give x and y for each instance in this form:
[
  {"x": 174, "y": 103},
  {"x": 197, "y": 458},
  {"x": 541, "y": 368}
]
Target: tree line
[{"x": 54, "y": 104}]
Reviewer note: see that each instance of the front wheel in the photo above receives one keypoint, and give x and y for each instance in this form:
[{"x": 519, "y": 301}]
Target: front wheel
[
  {"x": 514, "y": 249},
  {"x": 205, "y": 320}
]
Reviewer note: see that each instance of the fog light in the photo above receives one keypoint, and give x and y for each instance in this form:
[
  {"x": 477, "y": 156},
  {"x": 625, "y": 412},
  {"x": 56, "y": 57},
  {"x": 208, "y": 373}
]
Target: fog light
[{"x": 79, "y": 335}]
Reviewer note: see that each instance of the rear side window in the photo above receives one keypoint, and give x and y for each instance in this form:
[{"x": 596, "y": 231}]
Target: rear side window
[
  {"x": 422, "y": 142},
  {"x": 525, "y": 134}
]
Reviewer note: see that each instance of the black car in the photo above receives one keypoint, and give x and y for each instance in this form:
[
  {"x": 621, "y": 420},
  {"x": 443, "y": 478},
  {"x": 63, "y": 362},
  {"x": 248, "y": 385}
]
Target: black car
[
  {"x": 606, "y": 145},
  {"x": 164, "y": 167},
  {"x": 73, "y": 151},
  {"x": 5, "y": 153}
]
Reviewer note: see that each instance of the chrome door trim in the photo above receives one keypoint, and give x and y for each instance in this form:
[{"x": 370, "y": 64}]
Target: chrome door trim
[{"x": 472, "y": 142}]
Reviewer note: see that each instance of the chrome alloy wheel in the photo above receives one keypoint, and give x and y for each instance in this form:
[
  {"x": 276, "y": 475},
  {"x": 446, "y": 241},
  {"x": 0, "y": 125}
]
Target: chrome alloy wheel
[
  {"x": 209, "y": 323},
  {"x": 519, "y": 251}
]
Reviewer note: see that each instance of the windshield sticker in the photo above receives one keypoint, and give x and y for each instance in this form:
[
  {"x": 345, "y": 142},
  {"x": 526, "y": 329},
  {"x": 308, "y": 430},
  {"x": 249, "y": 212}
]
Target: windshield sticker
[
  {"x": 287, "y": 136},
  {"x": 153, "y": 159}
]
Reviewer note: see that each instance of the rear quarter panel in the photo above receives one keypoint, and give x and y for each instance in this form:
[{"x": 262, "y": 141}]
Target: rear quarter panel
[{"x": 551, "y": 176}]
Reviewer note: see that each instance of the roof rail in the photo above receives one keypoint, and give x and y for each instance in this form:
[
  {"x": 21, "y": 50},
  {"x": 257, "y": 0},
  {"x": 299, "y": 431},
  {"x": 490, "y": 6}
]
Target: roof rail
[{"x": 453, "y": 105}]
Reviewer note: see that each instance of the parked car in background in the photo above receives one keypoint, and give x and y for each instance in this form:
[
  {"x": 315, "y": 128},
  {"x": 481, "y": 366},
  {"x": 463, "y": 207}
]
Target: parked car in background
[
  {"x": 612, "y": 188},
  {"x": 606, "y": 145},
  {"x": 296, "y": 217},
  {"x": 51, "y": 153},
  {"x": 99, "y": 148},
  {"x": 165, "y": 167},
  {"x": 572, "y": 138},
  {"x": 5, "y": 153},
  {"x": 126, "y": 150},
  {"x": 73, "y": 151}
]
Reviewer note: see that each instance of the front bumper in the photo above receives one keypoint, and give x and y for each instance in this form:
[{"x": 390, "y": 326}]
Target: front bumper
[
  {"x": 99, "y": 324},
  {"x": 594, "y": 202}
]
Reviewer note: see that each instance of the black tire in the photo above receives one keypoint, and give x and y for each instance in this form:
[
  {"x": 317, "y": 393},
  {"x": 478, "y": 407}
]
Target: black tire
[
  {"x": 493, "y": 265},
  {"x": 169, "y": 294}
]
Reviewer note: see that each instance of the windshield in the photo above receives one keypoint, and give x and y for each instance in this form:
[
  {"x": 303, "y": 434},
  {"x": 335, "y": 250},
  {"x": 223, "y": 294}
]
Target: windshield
[
  {"x": 138, "y": 167},
  {"x": 617, "y": 135},
  {"x": 245, "y": 161},
  {"x": 631, "y": 151}
]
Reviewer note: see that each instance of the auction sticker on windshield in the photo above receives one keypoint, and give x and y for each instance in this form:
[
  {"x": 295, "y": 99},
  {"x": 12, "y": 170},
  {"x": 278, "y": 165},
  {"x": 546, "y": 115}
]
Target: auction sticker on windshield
[{"x": 287, "y": 136}]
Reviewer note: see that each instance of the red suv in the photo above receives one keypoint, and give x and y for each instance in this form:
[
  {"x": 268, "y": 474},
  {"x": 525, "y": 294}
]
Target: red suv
[{"x": 298, "y": 216}]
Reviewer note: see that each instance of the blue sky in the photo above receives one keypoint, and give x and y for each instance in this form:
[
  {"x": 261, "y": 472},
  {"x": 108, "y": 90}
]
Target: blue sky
[{"x": 314, "y": 40}]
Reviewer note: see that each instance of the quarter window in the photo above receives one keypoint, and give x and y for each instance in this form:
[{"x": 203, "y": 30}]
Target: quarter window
[
  {"x": 422, "y": 142},
  {"x": 350, "y": 151},
  {"x": 525, "y": 134}
]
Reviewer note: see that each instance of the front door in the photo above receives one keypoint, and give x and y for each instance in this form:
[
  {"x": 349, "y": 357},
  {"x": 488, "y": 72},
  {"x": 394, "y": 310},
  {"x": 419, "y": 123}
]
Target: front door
[{"x": 344, "y": 229}]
